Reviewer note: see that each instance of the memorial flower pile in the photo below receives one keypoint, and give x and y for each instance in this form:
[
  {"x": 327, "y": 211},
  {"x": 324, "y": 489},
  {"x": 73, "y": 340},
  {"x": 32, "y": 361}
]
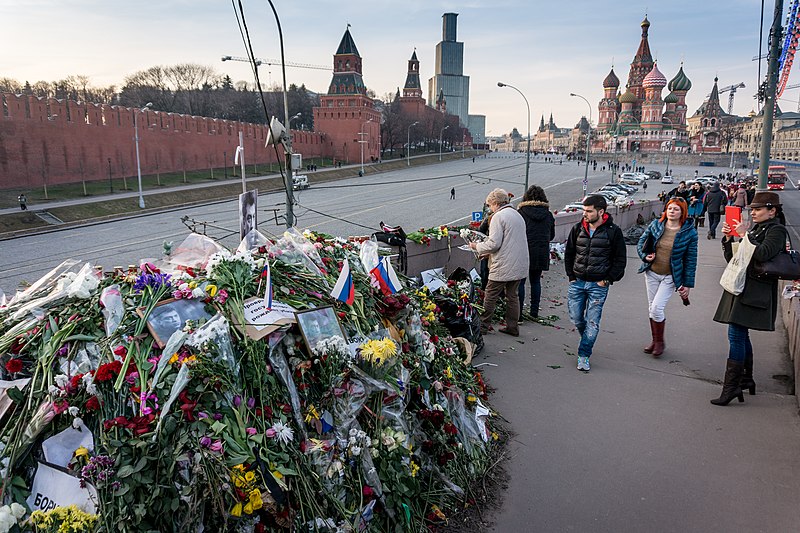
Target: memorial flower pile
[{"x": 117, "y": 416}]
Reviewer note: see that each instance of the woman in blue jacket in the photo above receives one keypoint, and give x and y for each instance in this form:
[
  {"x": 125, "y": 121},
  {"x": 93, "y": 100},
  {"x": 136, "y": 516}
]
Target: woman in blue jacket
[{"x": 668, "y": 249}]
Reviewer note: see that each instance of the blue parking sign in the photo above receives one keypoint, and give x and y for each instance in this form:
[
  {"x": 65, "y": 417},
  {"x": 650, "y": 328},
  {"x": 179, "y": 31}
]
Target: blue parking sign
[{"x": 477, "y": 216}]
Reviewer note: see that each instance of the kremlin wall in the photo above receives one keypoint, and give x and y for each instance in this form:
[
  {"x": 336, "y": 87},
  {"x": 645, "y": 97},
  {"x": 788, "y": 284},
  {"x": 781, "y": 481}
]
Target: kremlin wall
[{"x": 56, "y": 141}]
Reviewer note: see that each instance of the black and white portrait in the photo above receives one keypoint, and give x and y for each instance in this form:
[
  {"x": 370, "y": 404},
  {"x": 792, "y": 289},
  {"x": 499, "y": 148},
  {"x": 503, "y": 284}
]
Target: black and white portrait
[
  {"x": 171, "y": 316},
  {"x": 248, "y": 202},
  {"x": 319, "y": 324}
]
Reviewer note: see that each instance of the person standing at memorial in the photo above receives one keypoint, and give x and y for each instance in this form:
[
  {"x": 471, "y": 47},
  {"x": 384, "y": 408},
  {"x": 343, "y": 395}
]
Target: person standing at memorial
[
  {"x": 508, "y": 260},
  {"x": 594, "y": 258},
  {"x": 540, "y": 229}
]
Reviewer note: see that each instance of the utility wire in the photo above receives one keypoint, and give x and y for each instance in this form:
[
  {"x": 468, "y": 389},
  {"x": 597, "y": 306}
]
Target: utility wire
[{"x": 337, "y": 218}]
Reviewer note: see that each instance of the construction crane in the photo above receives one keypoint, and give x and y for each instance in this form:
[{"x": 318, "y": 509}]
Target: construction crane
[
  {"x": 732, "y": 89},
  {"x": 260, "y": 61},
  {"x": 794, "y": 86}
]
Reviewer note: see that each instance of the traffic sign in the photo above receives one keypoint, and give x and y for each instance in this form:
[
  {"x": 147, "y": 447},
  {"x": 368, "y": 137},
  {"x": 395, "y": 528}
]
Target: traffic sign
[{"x": 477, "y": 216}]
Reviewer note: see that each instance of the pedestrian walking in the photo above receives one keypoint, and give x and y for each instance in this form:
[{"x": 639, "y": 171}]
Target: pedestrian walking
[
  {"x": 668, "y": 250},
  {"x": 540, "y": 229},
  {"x": 757, "y": 305},
  {"x": 740, "y": 196},
  {"x": 644, "y": 185},
  {"x": 695, "y": 199},
  {"x": 509, "y": 261},
  {"x": 453, "y": 193},
  {"x": 594, "y": 258},
  {"x": 715, "y": 202},
  {"x": 23, "y": 202}
]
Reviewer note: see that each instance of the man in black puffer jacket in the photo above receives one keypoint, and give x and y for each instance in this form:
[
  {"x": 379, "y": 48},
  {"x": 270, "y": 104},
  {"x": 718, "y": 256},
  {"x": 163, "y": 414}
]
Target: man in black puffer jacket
[{"x": 595, "y": 257}]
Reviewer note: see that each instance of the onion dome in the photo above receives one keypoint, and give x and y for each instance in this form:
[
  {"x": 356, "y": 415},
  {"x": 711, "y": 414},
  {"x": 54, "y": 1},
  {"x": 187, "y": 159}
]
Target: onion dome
[
  {"x": 671, "y": 98},
  {"x": 627, "y": 98},
  {"x": 680, "y": 82},
  {"x": 645, "y": 22},
  {"x": 611, "y": 80},
  {"x": 655, "y": 79}
]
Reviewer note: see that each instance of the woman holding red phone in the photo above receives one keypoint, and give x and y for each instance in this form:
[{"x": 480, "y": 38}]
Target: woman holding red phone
[{"x": 757, "y": 305}]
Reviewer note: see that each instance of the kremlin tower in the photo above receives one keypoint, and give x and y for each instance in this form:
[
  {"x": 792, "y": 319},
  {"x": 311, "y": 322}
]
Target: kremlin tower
[{"x": 346, "y": 114}]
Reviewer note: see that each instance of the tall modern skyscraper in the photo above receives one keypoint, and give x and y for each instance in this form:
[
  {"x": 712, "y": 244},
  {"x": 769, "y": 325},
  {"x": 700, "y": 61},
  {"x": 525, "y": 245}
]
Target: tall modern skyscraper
[{"x": 449, "y": 78}]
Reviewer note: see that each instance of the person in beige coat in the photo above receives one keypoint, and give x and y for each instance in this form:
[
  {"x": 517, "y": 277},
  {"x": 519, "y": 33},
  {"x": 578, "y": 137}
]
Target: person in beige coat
[{"x": 507, "y": 247}]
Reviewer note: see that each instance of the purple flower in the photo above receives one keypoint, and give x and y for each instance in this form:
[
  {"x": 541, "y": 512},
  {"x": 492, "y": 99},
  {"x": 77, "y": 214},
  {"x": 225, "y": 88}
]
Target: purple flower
[
  {"x": 64, "y": 350},
  {"x": 153, "y": 281},
  {"x": 251, "y": 431},
  {"x": 205, "y": 442},
  {"x": 217, "y": 416},
  {"x": 202, "y": 414},
  {"x": 251, "y": 402},
  {"x": 237, "y": 400},
  {"x": 216, "y": 446}
]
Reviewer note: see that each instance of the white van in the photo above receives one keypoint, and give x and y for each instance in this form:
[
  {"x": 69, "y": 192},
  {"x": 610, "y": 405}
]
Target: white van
[{"x": 300, "y": 182}]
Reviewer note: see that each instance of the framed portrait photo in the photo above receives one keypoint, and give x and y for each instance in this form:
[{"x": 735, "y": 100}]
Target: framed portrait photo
[
  {"x": 171, "y": 315},
  {"x": 319, "y": 324}
]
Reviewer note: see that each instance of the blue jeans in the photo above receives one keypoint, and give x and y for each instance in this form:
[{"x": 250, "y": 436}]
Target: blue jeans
[
  {"x": 713, "y": 222},
  {"x": 535, "y": 275},
  {"x": 585, "y": 303},
  {"x": 740, "y": 346}
]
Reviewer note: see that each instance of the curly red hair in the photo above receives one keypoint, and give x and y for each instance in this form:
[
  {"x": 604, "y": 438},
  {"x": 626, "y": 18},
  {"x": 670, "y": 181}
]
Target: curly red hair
[{"x": 680, "y": 202}]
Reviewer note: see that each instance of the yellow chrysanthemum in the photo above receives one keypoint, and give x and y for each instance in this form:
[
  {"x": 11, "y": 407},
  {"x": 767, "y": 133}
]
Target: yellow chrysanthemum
[
  {"x": 414, "y": 469},
  {"x": 378, "y": 352}
]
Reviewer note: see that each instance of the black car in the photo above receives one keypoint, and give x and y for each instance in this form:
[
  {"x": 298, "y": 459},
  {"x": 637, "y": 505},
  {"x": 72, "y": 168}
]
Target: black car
[{"x": 654, "y": 174}]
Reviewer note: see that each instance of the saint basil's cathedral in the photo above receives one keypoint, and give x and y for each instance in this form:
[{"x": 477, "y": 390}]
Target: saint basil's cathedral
[{"x": 638, "y": 119}]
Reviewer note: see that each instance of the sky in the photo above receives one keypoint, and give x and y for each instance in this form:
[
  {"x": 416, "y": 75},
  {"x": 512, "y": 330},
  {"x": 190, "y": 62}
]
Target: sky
[{"x": 546, "y": 49}]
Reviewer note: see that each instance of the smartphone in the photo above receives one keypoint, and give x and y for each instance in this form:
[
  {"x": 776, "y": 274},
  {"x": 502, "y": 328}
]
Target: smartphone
[{"x": 733, "y": 215}]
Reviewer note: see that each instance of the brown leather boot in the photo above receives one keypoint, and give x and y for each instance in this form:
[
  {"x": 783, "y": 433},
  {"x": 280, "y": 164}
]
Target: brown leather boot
[
  {"x": 732, "y": 387},
  {"x": 649, "y": 347},
  {"x": 658, "y": 338}
]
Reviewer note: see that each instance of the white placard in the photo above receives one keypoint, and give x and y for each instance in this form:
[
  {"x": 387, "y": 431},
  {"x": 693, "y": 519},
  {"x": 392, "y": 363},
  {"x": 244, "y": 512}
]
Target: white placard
[
  {"x": 53, "y": 488},
  {"x": 257, "y": 315},
  {"x": 434, "y": 279},
  {"x": 59, "y": 448}
]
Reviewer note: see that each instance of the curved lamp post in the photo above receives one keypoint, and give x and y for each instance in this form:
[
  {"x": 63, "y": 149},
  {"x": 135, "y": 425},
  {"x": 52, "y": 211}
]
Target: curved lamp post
[
  {"x": 670, "y": 143},
  {"x": 441, "y": 132},
  {"x": 528, "y": 151},
  {"x": 136, "y": 140},
  {"x": 408, "y": 143},
  {"x": 588, "y": 136}
]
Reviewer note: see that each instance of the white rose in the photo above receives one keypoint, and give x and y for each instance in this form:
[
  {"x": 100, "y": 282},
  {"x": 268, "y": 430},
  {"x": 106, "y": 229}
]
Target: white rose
[
  {"x": 17, "y": 510},
  {"x": 74, "y": 411}
]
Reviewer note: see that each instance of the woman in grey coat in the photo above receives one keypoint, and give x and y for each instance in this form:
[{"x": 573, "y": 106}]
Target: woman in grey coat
[{"x": 757, "y": 306}]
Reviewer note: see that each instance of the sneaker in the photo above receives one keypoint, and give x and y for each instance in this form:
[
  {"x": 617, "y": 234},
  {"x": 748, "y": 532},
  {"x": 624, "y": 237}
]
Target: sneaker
[{"x": 583, "y": 364}]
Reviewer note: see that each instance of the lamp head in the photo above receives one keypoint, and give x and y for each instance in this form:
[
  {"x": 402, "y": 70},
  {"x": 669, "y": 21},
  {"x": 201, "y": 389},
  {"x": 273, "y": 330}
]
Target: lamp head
[
  {"x": 501, "y": 84},
  {"x": 573, "y": 94},
  {"x": 226, "y": 58}
]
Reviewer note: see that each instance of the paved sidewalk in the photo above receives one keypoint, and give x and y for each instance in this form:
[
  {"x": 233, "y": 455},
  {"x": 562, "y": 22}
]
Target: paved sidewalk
[{"x": 635, "y": 445}]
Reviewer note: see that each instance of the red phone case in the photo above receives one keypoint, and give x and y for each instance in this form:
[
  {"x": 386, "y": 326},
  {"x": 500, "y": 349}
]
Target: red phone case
[{"x": 733, "y": 213}]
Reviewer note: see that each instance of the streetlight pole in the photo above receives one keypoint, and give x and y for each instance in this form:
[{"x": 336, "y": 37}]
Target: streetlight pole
[
  {"x": 441, "y": 132},
  {"x": 288, "y": 182},
  {"x": 614, "y": 168},
  {"x": 528, "y": 151},
  {"x": 670, "y": 144},
  {"x": 408, "y": 143},
  {"x": 136, "y": 140},
  {"x": 588, "y": 137},
  {"x": 361, "y": 142}
]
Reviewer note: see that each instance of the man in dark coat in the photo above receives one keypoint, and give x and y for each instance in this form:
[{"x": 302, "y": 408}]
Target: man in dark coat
[
  {"x": 715, "y": 202},
  {"x": 540, "y": 228}
]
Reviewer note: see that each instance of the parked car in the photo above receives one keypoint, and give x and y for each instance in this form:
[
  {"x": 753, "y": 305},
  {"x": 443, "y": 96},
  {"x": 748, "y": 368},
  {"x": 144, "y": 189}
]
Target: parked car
[
  {"x": 612, "y": 190},
  {"x": 705, "y": 180},
  {"x": 631, "y": 178},
  {"x": 625, "y": 187},
  {"x": 574, "y": 206},
  {"x": 653, "y": 174},
  {"x": 667, "y": 180}
]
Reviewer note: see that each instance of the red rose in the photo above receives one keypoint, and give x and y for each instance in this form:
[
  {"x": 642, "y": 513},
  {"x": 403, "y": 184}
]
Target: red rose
[
  {"x": 120, "y": 351},
  {"x": 108, "y": 371},
  {"x": 93, "y": 404},
  {"x": 14, "y": 365},
  {"x": 450, "y": 429}
]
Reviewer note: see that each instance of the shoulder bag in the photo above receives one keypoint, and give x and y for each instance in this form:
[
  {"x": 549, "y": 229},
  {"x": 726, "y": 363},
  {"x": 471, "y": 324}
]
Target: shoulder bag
[
  {"x": 785, "y": 265},
  {"x": 735, "y": 274}
]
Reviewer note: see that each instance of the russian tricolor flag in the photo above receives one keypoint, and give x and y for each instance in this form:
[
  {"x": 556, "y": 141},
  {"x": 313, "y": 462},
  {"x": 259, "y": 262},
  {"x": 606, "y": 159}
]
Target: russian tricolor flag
[
  {"x": 344, "y": 290},
  {"x": 386, "y": 277},
  {"x": 266, "y": 276}
]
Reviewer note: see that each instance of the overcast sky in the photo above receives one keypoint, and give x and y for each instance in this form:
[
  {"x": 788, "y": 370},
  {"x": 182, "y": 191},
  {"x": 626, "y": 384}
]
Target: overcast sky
[{"x": 547, "y": 49}]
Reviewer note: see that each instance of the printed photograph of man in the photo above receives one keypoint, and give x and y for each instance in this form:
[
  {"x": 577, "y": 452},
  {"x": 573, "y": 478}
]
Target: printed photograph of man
[{"x": 247, "y": 212}]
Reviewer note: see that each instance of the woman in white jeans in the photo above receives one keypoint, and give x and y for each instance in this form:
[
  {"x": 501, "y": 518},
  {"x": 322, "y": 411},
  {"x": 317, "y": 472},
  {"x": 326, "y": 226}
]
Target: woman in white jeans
[{"x": 668, "y": 249}]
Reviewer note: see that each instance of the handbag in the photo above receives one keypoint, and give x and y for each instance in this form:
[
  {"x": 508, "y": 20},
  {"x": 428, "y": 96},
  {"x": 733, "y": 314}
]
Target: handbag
[
  {"x": 785, "y": 265},
  {"x": 735, "y": 274}
]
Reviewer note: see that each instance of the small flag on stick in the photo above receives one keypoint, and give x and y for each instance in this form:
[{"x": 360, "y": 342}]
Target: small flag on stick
[{"x": 344, "y": 290}]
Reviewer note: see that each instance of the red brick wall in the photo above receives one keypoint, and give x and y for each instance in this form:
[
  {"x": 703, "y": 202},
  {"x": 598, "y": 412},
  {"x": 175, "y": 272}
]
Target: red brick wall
[
  {"x": 343, "y": 121},
  {"x": 57, "y": 141}
]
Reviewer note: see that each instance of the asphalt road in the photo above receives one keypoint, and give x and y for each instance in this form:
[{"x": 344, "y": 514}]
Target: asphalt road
[{"x": 413, "y": 198}]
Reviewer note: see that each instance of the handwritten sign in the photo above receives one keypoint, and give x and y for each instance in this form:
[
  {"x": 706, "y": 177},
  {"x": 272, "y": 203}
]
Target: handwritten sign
[
  {"x": 260, "y": 322},
  {"x": 53, "y": 488}
]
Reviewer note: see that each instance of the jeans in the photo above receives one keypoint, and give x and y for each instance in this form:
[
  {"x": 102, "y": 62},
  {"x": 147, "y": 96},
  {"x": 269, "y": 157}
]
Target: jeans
[
  {"x": 535, "y": 275},
  {"x": 492, "y": 294},
  {"x": 739, "y": 340},
  {"x": 713, "y": 222},
  {"x": 660, "y": 289},
  {"x": 585, "y": 303}
]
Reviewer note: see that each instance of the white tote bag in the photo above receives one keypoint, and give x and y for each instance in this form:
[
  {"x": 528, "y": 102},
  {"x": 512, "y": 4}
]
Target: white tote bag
[{"x": 733, "y": 277}]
